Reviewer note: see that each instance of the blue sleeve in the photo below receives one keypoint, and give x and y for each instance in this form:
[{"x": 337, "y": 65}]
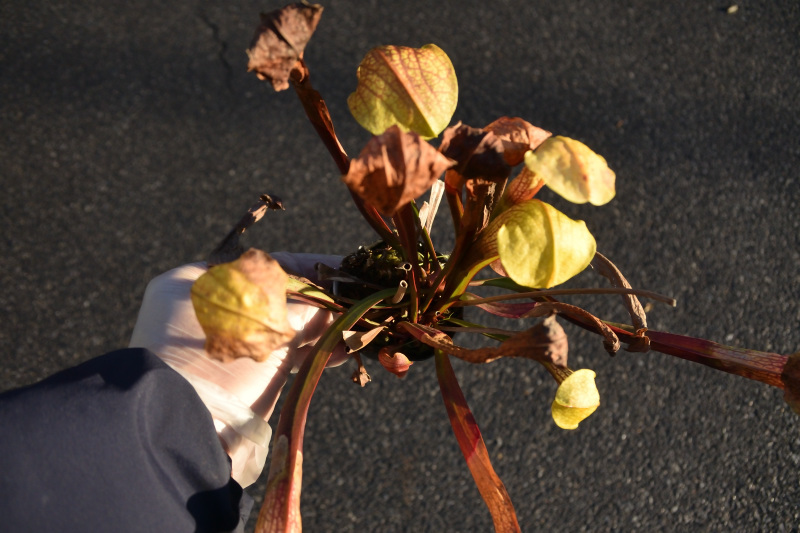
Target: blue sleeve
[{"x": 119, "y": 443}]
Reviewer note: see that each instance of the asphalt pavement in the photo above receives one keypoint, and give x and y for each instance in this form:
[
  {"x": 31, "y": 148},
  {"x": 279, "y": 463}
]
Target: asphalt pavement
[{"x": 132, "y": 137}]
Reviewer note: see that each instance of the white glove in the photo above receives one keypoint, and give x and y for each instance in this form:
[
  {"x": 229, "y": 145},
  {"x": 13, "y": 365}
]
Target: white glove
[{"x": 241, "y": 394}]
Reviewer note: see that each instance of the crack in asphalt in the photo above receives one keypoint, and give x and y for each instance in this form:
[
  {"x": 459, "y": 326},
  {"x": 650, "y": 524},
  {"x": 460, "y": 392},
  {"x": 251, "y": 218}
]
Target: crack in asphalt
[{"x": 223, "y": 48}]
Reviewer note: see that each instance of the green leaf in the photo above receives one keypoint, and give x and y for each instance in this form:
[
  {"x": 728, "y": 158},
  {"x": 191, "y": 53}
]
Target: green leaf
[
  {"x": 306, "y": 289},
  {"x": 572, "y": 170},
  {"x": 414, "y": 88},
  {"x": 281, "y": 508},
  {"x": 540, "y": 246}
]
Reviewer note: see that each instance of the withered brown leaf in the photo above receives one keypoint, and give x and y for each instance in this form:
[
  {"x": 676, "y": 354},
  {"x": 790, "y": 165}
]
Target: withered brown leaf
[
  {"x": 609, "y": 270},
  {"x": 518, "y": 136},
  {"x": 478, "y": 153},
  {"x": 360, "y": 375},
  {"x": 358, "y": 340},
  {"x": 479, "y": 168},
  {"x": 395, "y": 168},
  {"x": 610, "y": 342},
  {"x": 280, "y": 40},
  {"x": 394, "y": 361},
  {"x": 545, "y": 341}
]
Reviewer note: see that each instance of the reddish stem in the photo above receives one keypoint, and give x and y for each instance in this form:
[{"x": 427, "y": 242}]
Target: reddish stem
[
  {"x": 752, "y": 364},
  {"x": 473, "y": 447},
  {"x": 407, "y": 231},
  {"x": 317, "y": 112}
]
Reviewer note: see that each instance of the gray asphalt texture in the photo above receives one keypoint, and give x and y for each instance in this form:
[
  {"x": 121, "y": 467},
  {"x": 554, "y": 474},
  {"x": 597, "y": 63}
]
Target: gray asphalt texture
[{"x": 132, "y": 138}]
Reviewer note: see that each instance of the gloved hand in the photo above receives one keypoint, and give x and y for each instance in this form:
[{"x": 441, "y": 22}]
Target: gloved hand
[{"x": 241, "y": 394}]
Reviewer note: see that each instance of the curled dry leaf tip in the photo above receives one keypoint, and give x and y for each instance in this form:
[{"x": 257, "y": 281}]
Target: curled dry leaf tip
[
  {"x": 360, "y": 375},
  {"x": 394, "y": 361},
  {"x": 478, "y": 153},
  {"x": 393, "y": 169},
  {"x": 280, "y": 40},
  {"x": 518, "y": 136}
]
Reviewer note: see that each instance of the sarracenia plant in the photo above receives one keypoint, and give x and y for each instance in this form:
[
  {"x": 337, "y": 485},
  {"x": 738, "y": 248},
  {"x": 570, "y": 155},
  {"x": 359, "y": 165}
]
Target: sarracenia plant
[{"x": 401, "y": 298}]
